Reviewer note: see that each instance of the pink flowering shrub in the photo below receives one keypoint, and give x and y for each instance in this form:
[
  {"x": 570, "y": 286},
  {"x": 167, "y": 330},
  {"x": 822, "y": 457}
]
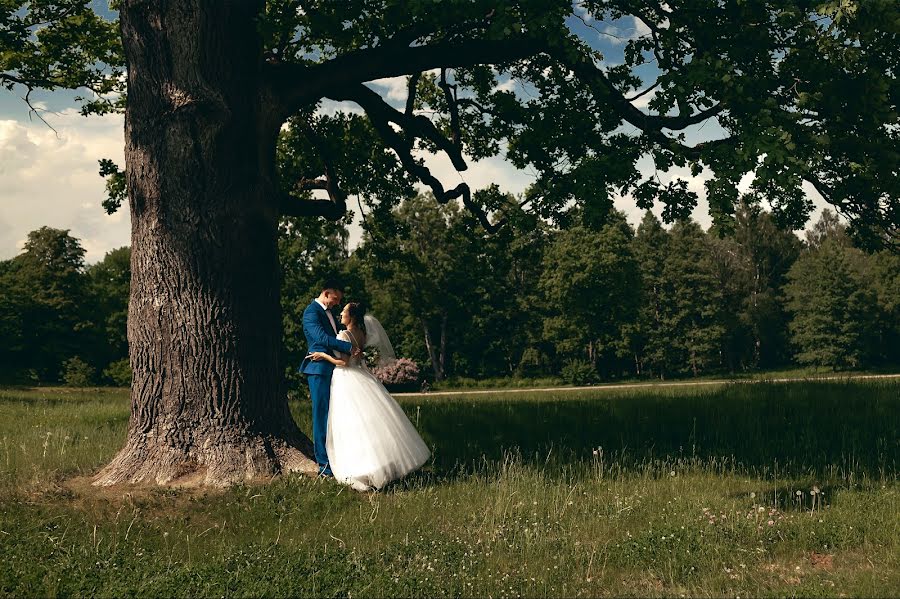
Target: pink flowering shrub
[{"x": 402, "y": 371}]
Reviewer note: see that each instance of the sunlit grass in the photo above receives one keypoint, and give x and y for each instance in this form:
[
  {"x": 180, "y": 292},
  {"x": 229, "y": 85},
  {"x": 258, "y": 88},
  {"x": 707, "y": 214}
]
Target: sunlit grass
[{"x": 742, "y": 490}]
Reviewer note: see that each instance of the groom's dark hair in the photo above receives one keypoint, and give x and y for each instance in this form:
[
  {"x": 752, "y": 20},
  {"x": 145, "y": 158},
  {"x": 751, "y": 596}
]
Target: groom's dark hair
[{"x": 332, "y": 284}]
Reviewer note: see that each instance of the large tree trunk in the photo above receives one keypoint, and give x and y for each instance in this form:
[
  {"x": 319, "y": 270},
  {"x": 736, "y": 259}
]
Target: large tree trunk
[{"x": 204, "y": 322}]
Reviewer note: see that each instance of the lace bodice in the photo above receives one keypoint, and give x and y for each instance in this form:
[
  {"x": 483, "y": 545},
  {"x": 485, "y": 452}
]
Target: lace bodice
[{"x": 352, "y": 361}]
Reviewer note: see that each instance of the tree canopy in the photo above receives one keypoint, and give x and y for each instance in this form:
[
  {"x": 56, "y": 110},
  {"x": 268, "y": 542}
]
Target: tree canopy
[{"x": 799, "y": 92}]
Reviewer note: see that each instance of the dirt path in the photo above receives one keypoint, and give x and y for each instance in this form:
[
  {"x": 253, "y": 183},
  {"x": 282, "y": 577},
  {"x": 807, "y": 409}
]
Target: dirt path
[{"x": 836, "y": 377}]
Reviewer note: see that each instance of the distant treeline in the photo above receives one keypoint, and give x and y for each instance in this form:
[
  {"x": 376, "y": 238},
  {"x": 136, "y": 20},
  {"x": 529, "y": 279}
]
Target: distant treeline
[{"x": 586, "y": 302}]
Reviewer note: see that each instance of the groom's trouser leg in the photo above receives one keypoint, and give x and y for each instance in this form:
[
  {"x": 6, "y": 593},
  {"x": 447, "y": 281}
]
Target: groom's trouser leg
[{"x": 320, "y": 392}]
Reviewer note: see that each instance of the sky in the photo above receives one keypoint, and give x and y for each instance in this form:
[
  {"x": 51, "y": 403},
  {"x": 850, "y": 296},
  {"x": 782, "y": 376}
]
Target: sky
[{"x": 50, "y": 176}]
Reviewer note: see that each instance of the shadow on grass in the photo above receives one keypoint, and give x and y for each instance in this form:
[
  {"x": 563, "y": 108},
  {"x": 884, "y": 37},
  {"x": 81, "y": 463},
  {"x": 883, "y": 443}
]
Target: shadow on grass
[
  {"x": 62, "y": 395},
  {"x": 793, "y": 429}
]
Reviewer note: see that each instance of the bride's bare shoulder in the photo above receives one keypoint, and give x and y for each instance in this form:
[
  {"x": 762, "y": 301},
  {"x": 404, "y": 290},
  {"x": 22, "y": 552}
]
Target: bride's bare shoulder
[{"x": 356, "y": 337}]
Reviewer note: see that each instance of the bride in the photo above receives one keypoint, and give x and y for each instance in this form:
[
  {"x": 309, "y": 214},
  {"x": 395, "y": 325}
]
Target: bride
[{"x": 370, "y": 441}]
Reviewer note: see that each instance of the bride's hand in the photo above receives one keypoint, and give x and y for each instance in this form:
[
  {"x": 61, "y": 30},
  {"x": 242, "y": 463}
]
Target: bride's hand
[{"x": 316, "y": 356}]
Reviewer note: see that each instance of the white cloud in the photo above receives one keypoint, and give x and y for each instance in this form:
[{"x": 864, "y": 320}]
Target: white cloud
[
  {"x": 394, "y": 88},
  {"x": 52, "y": 179},
  {"x": 701, "y": 213},
  {"x": 639, "y": 28},
  {"x": 331, "y": 108},
  {"x": 644, "y": 101},
  {"x": 583, "y": 12},
  {"x": 819, "y": 204},
  {"x": 509, "y": 85}
]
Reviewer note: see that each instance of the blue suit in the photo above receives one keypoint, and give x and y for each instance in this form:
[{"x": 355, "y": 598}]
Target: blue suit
[{"x": 320, "y": 336}]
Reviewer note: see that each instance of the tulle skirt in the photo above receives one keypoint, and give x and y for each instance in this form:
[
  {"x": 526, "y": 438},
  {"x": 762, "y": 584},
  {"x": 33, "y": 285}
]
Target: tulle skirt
[{"x": 370, "y": 441}]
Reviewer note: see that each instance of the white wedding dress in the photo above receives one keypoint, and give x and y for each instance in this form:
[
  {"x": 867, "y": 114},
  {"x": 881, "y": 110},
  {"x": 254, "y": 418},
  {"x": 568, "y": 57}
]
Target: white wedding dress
[{"x": 370, "y": 441}]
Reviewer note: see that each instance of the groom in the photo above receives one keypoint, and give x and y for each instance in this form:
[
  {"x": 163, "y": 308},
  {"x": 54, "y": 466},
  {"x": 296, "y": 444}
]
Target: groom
[{"x": 321, "y": 329}]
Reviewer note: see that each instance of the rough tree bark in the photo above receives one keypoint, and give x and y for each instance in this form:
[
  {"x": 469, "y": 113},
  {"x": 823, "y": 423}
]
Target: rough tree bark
[{"x": 204, "y": 322}]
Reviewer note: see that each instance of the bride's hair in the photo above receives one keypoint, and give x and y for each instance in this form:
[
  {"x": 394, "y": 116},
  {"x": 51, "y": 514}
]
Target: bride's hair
[{"x": 357, "y": 312}]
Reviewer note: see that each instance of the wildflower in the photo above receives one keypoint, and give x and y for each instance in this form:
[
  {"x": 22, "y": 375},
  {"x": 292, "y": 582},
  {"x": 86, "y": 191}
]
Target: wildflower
[
  {"x": 672, "y": 473},
  {"x": 771, "y": 522},
  {"x": 752, "y": 495}
]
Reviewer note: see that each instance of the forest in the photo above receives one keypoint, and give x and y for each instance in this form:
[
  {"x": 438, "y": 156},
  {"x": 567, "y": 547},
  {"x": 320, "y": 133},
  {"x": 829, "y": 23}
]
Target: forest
[{"x": 576, "y": 299}]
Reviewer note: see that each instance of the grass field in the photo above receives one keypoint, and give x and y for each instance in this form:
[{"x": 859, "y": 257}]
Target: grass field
[{"x": 755, "y": 489}]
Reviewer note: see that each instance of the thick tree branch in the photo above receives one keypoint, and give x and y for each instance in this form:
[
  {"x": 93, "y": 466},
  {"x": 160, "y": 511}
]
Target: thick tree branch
[
  {"x": 476, "y": 106},
  {"x": 412, "y": 90},
  {"x": 299, "y": 85},
  {"x": 382, "y": 115},
  {"x": 335, "y": 206},
  {"x": 452, "y": 106},
  {"x": 341, "y": 79},
  {"x": 335, "y": 193},
  {"x": 587, "y": 72},
  {"x": 29, "y": 83},
  {"x": 311, "y": 184},
  {"x": 415, "y": 126},
  {"x": 645, "y": 92},
  {"x": 290, "y": 205},
  {"x": 824, "y": 191}
]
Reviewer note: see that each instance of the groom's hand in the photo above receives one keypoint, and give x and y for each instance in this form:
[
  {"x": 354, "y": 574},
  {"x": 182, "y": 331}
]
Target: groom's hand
[{"x": 356, "y": 352}]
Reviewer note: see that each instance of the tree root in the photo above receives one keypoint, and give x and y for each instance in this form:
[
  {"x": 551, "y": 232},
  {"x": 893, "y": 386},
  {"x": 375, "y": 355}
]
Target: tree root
[{"x": 241, "y": 459}]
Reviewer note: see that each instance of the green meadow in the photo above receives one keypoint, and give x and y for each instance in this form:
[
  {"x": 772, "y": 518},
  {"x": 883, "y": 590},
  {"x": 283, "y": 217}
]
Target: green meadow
[{"x": 751, "y": 489}]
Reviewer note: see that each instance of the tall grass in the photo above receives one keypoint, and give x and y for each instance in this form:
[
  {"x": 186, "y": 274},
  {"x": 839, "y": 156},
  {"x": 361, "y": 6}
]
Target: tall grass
[{"x": 661, "y": 492}]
